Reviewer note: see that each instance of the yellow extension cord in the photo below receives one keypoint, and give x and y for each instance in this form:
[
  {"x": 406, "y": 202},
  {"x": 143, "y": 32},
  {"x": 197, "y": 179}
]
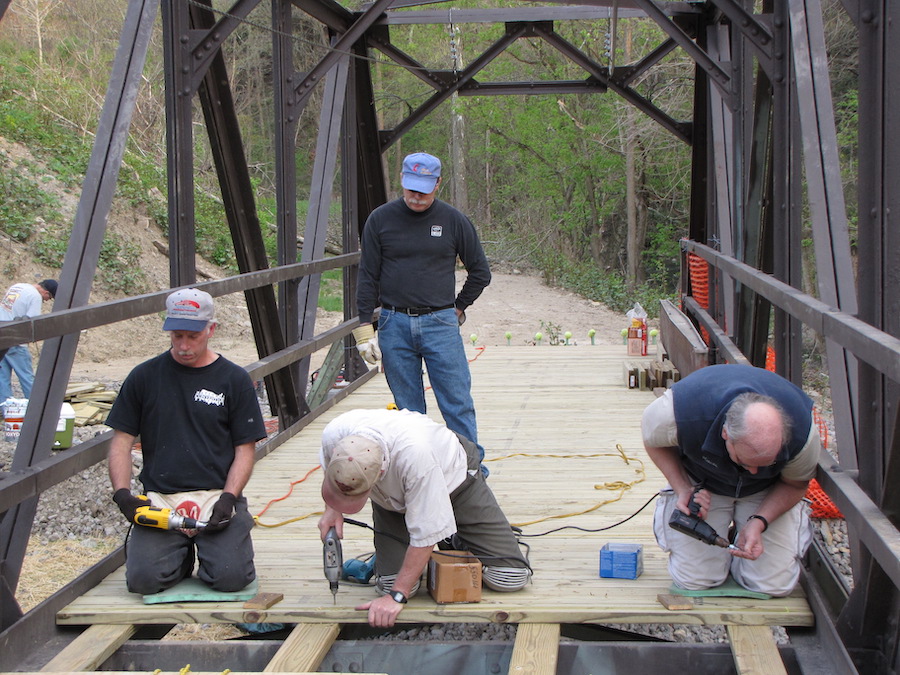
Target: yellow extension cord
[{"x": 621, "y": 486}]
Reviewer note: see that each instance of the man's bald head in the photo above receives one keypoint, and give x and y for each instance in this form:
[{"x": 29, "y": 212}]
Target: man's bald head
[{"x": 758, "y": 429}]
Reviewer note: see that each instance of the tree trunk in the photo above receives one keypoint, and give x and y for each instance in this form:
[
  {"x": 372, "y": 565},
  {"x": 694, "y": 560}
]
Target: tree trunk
[
  {"x": 633, "y": 245},
  {"x": 459, "y": 194}
]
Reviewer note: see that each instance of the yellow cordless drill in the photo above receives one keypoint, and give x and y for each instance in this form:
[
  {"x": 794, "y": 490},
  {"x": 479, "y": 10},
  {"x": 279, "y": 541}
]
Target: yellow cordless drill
[{"x": 164, "y": 519}]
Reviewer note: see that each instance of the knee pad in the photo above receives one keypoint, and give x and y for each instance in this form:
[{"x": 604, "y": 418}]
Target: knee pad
[
  {"x": 385, "y": 584},
  {"x": 505, "y": 579}
]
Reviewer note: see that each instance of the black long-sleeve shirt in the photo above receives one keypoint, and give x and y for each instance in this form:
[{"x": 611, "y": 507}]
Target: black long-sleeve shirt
[{"x": 409, "y": 259}]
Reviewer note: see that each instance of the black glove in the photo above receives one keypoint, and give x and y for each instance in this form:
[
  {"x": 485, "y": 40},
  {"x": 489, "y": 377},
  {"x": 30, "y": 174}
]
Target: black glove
[
  {"x": 221, "y": 513},
  {"x": 128, "y": 503}
]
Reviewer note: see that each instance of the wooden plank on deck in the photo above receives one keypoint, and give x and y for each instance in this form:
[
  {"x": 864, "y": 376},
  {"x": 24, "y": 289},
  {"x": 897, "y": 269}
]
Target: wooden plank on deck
[
  {"x": 755, "y": 651},
  {"x": 90, "y": 649},
  {"x": 536, "y": 649},
  {"x": 304, "y": 648},
  {"x": 551, "y": 420}
]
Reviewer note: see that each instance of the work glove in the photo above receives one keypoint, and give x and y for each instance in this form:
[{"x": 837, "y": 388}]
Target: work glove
[
  {"x": 221, "y": 513},
  {"x": 367, "y": 343},
  {"x": 128, "y": 504}
]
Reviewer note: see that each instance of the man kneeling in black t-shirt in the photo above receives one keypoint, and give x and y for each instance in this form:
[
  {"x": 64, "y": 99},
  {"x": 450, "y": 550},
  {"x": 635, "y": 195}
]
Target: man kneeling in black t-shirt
[{"x": 198, "y": 419}]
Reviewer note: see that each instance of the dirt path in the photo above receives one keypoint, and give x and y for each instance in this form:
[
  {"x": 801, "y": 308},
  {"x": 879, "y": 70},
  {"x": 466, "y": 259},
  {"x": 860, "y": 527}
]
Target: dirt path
[{"x": 519, "y": 304}]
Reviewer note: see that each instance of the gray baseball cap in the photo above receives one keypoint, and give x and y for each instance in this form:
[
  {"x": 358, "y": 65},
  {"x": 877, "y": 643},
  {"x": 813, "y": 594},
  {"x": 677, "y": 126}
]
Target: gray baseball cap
[{"x": 189, "y": 309}]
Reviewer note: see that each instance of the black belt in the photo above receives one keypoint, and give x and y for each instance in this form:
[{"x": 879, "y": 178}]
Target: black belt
[{"x": 416, "y": 311}]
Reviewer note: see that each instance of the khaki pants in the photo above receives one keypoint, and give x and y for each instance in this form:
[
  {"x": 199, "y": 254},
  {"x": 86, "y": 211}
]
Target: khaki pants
[
  {"x": 695, "y": 565},
  {"x": 481, "y": 525}
]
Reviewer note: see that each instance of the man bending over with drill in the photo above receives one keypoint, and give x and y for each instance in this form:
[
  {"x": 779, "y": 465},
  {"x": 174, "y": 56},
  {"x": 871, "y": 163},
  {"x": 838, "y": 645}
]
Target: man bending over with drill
[
  {"x": 426, "y": 487},
  {"x": 740, "y": 442},
  {"x": 199, "y": 419}
]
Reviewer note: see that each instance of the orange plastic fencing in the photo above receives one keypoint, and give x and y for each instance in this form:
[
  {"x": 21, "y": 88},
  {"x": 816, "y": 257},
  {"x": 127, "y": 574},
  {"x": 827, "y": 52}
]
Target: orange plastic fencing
[
  {"x": 698, "y": 270},
  {"x": 820, "y": 503}
]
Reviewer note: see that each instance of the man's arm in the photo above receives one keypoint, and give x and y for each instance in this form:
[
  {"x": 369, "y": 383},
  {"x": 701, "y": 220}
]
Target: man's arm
[
  {"x": 478, "y": 271},
  {"x": 241, "y": 468},
  {"x": 383, "y": 611},
  {"x": 782, "y": 497},
  {"x": 120, "y": 460},
  {"x": 369, "y": 278}
]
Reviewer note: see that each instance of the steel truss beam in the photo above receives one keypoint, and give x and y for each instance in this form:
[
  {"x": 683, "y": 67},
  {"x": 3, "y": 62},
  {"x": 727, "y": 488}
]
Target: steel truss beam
[
  {"x": 746, "y": 202},
  {"x": 79, "y": 266}
]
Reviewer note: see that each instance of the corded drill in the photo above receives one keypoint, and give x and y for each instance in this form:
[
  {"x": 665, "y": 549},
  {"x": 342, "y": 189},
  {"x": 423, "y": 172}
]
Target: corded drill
[
  {"x": 694, "y": 526},
  {"x": 333, "y": 559}
]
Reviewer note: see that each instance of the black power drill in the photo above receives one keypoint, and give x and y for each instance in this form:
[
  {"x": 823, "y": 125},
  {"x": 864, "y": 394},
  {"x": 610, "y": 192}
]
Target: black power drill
[{"x": 694, "y": 526}]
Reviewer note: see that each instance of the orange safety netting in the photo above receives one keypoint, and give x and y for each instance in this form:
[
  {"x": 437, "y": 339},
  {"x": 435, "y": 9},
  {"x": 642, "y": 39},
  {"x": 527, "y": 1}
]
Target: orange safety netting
[
  {"x": 820, "y": 503},
  {"x": 698, "y": 269}
]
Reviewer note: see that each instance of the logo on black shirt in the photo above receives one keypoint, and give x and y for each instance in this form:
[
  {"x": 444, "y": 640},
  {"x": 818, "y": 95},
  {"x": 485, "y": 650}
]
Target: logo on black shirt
[
  {"x": 436, "y": 230},
  {"x": 206, "y": 396}
]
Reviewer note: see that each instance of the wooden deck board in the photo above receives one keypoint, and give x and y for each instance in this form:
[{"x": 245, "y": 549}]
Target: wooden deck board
[{"x": 548, "y": 403}]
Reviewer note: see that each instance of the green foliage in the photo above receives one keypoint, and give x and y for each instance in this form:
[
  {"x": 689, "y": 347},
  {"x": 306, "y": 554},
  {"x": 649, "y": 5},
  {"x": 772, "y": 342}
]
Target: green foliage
[
  {"x": 212, "y": 233},
  {"x": 22, "y": 202},
  {"x": 551, "y": 331},
  {"x": 610, "y": 289},
  {"x": 51, "y": 248},
  {"x": 119, "y": 265},
  {"x": 331, "y": 292}
]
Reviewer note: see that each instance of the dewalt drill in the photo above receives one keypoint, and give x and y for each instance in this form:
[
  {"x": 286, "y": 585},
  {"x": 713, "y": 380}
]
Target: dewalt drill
[
  {"x": 694, "y": 526},
  {"x": 164, "y": 519}
]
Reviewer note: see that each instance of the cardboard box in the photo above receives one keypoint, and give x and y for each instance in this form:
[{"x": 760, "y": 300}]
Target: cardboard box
[
  {"x": 635, "y": 346},
  {"x": 454, "y": 576},
  {"x": 621, "y": 561}
]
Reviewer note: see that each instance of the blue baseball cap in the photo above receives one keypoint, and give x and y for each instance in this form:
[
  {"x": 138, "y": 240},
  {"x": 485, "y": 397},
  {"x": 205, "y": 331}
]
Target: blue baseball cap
[{"x": 421, "y": 172}]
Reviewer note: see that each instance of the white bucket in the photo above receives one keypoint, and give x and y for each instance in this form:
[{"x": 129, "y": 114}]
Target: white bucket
[{"x": 14, "y": 413}]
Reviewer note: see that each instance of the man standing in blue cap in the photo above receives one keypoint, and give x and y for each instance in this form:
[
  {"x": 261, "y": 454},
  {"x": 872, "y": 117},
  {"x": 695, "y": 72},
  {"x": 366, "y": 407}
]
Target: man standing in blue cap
[
  {"x": 22, "y": 301},
  {"x": 408, "y": 269}
]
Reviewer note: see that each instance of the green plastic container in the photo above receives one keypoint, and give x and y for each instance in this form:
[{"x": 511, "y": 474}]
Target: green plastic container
[{"x": 64, "y": 428}]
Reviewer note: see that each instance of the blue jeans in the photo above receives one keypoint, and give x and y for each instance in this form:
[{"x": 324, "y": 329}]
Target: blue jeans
[
  {"x": 18, "y": 359},
  {"x": 405, "y": 342}
]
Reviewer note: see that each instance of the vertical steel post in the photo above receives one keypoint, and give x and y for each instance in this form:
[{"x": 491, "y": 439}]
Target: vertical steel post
[{"x": 179, "y": 142}]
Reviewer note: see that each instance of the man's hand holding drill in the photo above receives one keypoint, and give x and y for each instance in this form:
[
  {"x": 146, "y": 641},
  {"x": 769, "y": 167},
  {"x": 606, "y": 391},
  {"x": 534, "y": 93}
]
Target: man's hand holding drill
[
  {"x": 701, "y": 498},
  {"x": 128, "y": 504},
  {"x": 221, "y": 513}
]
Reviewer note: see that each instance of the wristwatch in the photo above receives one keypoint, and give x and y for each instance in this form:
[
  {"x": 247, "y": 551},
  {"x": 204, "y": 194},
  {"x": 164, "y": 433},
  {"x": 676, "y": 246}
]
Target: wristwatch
[{"x": 398, "y": 596}]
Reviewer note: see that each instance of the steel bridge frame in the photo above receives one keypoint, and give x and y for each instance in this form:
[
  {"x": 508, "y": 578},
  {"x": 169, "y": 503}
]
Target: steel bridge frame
[{"x": 763, "y": 143}]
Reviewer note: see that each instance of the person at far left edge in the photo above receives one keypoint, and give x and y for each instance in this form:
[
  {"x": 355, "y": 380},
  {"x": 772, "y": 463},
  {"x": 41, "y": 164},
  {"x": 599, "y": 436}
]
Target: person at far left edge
[{"x": 198, "y": 419}]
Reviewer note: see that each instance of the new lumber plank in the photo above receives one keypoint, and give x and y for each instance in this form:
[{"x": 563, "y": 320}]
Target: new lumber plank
[
  {"x": 536, "y": 649},
  {"x": 304, "y": 648},
  {"x": 551, "y": 421},
  {"x": 755, "y": 651},
  {"x": 90, "y": 649}
]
